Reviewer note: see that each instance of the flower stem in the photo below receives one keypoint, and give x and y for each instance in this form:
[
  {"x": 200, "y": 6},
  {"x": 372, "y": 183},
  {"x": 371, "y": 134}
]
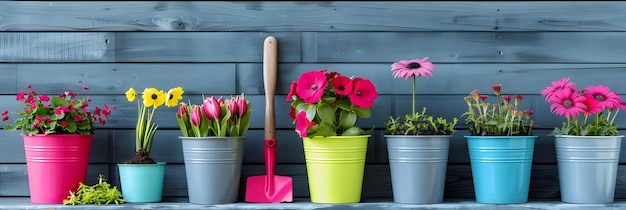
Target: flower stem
[{"x": 414, "y": 81}]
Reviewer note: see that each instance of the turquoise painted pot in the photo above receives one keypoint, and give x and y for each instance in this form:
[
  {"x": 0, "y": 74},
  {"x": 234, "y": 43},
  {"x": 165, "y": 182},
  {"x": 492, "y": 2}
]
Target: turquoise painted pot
[
  {"x": 142, "y": 183},
  {"x": 501, "y": 167}
]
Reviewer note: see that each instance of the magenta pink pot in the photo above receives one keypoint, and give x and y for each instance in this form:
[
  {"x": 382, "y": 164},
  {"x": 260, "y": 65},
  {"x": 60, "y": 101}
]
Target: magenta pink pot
[{"x": 56, "y": 164}]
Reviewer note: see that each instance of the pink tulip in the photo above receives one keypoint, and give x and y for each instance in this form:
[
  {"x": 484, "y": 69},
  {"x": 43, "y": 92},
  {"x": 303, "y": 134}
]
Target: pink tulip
[
  {"x": 196, "y": 116},
  {"x": 212, "y": 108},
  {"x": 182, "y": 111},
  {"x": 242, "y": 106},
  {"x": 231, "y": 105}
]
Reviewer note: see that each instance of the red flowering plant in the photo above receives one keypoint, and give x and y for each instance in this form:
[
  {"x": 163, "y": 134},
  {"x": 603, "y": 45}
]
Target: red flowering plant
[
  {"x": 328, "y": 104},
  {"x": 62, "y": 114},
  {"x": 588, "y": 112},
  {"x": 502, "y": 118},
  {"x": 417, "y": 123}
]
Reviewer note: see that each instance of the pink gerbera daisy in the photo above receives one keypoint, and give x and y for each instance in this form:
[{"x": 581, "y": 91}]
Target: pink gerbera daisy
[
  {"x": 557, "y": 85},
  {"x": 410, "y": 68},
  {"x": 604, "y": 96},
  {"x": 567, "y": 102},
  {"x": 311, "y": 86}
]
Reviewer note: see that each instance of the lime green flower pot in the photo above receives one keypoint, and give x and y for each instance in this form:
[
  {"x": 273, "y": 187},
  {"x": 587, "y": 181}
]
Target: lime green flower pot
[{"x": 335, "y": 167}]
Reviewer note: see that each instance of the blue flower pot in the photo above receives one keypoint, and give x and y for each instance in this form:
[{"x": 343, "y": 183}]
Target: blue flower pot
[
  {"x": 501, "y": 167},
  {"x": 142, "y": 183}
]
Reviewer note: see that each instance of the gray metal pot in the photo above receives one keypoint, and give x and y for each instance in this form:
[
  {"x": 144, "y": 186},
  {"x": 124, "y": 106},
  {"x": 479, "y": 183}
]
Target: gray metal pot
[
  {"x": 587, "y": 167},
  {"x": 213, "y": 168},
  {"x": 418, "y": 167}
]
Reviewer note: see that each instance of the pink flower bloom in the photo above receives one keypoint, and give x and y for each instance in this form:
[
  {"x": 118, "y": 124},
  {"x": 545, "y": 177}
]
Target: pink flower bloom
[
  {"x": 44, "y": 98},
  {"x": 212, "y": 108},
  {"x": 28, "y": 86},
  {"x": 60, "y": 110},
  {"x": 557, "y": 85},
  {"x": 242, "y": 106},
  {"x": 483, "y": 97},
  {"x": 231, "y": 106},
  {"x": 303, "y": 124},
  {"x": 311, "y": 86},
  {"x": 85, "y": 87},
  {"x": 592, "y": 106},
  {"x": 496, "y": 89},
  {"x": 568, "y": 103},
  {"x": 518, "y": 99},
  {"x": 196, "y": 116},
  {"x": 507, "y": 99},
  {"x": 363, "y": 93},
  {"x": 64, "y": 123},
  {"x": 5, "y": 112},
  {"x": 410, "y": 68},
  {"x": 20, "y": 96},
  {"x": 5, "y": 118},
  {"x": 604, "y": 96},
  {"x": 292, "y": 91},
  {"x": 342, "y": 85},
  {"x": 182, "y": 111}
]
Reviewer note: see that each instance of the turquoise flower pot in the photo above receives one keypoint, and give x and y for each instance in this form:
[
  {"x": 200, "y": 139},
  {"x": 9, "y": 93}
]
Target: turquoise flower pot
[
  {"x": 501, "y": 167},
  {"x": 142, "y": 183}
]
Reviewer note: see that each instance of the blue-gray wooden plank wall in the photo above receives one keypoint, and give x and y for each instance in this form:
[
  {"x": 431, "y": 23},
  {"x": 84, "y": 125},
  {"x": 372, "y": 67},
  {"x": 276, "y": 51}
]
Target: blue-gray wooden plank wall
[{"x": 215, "y": 48}]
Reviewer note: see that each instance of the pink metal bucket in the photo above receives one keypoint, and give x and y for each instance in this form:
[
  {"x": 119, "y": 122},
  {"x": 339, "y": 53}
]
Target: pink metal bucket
[{"x": 56, "y": 164}]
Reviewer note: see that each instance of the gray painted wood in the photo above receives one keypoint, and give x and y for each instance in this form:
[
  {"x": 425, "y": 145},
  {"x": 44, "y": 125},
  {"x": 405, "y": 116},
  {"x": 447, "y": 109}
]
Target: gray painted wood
[
  {"x": 8, "y": 78},
  {"x": 59, "y": 46},
  {"x": 312, "y": 16},
  {"x": 203, "y": 46},
  {"x": 319, "y": 47}
]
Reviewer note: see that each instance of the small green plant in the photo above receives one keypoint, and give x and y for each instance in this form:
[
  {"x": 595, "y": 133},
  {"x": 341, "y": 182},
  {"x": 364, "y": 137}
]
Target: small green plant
[
  {"x": 502, "y": 118},
  {"x": 101, "y": 193},
  {"x": 419, "y": 124}
]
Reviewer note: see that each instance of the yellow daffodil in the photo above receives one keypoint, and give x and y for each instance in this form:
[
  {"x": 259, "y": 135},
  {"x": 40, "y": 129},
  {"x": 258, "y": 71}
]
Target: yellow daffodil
[
  {"x": 153, "y": 97},
  {"x": 173, "y": 96},
  {"x": 130, "y": 94}
]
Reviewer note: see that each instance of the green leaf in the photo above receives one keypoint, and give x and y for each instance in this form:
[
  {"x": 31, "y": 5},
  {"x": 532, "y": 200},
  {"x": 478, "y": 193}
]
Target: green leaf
[
  {"x": 362, "y": 113},
  {"x": 326, "y": 113},
  {"x": 353, "y": 131},
  {"x": 326, "y": 130},
  {"x": 347, "y": 119}
]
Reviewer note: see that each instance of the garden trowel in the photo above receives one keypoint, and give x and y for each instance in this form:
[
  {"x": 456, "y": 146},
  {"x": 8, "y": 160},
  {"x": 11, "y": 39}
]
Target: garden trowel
[{"x": 269, "y": 188}]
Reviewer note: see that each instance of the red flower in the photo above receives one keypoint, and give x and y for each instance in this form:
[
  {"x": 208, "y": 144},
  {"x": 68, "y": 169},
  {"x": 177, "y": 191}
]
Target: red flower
[
  {"x": 342, "y": 85},
  {"x": 363, "y": 93},
  {"x": 292, "y": 91},
  {"x": 303, "y": 124},
  {"x": 311, "y": 86}
]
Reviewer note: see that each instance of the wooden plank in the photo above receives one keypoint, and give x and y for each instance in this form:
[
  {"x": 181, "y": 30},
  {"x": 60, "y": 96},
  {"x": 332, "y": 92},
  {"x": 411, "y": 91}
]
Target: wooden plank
[
  {"x": 448, "y": 78},
  {"x": 56, "y": 47},
  {"x": 564, "y": 47},
  {"x": 116, "y": 78},
  {"x": 538, "y": 47},
  {"x": 312, "y": 16},
  {"x": 8, "y": 78},
  {"x": 354, "y": 47},
  {"x": 14, "y": 178},
  {"x": 203, "y": 46}
]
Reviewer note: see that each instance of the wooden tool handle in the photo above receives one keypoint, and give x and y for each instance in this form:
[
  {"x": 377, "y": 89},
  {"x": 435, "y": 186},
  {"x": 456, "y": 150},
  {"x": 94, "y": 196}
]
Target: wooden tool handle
[{"x": 270, "y": 69}]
